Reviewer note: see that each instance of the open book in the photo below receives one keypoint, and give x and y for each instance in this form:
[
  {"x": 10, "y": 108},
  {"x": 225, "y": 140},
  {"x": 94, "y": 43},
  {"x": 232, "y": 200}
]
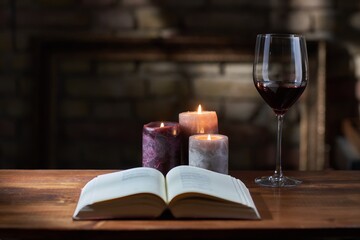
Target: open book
[{"x": 188, "y": 192}]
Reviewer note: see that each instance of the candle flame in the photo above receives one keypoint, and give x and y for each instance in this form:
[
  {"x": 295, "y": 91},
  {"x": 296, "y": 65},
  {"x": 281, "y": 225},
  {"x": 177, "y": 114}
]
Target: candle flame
[
  {"x": 162, "y": 124},
  {"x": 199, "y": 109},
  {"x": 209, "y": 137}
]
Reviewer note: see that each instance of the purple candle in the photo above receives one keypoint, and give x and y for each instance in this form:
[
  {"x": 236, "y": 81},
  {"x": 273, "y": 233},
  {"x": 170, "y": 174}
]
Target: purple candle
[{"x": 161, "y": 145}]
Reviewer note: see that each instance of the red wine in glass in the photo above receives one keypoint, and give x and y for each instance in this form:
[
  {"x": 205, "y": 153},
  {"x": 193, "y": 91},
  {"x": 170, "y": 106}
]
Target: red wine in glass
[
  {"x": 280, "y": 76},
  {"x": 280, "y": 96}
]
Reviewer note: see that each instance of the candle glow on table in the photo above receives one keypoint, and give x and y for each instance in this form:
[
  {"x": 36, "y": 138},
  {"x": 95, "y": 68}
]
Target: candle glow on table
[
  {"x": 209, "y": 151},
  {"x": 161, "y": 145},
  {"x": 196, "y": 122}
]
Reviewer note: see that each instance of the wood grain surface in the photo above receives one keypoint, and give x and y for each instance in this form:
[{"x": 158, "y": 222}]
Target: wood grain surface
[{"x": 38, "y": 204}]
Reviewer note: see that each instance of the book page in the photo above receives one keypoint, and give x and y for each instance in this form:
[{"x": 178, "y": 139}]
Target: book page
[
  {"x": 183, "y": 180},
  {"x": 124, "y": 183}
]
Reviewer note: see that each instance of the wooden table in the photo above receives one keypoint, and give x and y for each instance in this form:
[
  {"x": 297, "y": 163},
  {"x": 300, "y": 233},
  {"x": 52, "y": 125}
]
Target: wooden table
[{"x": 38, "y": 204}]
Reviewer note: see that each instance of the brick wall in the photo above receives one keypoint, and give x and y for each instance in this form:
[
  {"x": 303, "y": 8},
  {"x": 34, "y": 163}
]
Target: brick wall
[{"x": 104, "y": 110}]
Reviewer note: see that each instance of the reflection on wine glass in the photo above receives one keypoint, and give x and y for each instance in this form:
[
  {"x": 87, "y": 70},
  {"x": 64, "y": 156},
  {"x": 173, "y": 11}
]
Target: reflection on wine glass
[{"x": 280, "y": 76}]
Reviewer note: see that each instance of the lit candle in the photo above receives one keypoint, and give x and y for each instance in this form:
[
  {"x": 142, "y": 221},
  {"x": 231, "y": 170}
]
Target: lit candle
[
  {"x": 209, "y": 151},
  {"x": 197, "y": 122},
  {"x": 161, "y": 145}
]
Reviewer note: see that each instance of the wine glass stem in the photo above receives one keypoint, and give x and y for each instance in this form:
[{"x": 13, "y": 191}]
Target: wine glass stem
[{"x": 278, "y": 171}]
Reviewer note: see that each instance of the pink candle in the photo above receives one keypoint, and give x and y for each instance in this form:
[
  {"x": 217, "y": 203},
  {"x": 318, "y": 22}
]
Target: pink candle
[
  {"x": 161, "y": 145},
  {"x": 192, "y": 123}
]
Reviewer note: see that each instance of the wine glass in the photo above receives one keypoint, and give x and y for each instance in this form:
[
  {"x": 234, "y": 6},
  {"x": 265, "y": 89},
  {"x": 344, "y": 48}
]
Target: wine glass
[{"x": 280, "y": 75}]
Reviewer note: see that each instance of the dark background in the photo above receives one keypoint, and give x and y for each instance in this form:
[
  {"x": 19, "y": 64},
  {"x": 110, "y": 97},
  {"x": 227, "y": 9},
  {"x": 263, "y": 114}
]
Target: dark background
[{"x": 100, "y": 102}]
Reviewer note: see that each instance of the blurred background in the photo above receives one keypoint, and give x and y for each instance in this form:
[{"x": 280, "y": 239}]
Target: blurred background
[{"x": 79, "y": 79}]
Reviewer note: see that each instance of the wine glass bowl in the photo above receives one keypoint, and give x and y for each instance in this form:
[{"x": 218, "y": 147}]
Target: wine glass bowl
[{"x": 280, "y": 76}]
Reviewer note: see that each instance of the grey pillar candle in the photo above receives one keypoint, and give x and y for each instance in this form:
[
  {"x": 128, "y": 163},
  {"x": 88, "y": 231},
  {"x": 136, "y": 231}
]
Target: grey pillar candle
[
  {"x": 209, "y": 151},
  {"x": 161, "y": 145}
]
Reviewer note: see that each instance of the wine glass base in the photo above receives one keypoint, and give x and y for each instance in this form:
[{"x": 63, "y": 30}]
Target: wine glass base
[{"x": 271, "y": 181}]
